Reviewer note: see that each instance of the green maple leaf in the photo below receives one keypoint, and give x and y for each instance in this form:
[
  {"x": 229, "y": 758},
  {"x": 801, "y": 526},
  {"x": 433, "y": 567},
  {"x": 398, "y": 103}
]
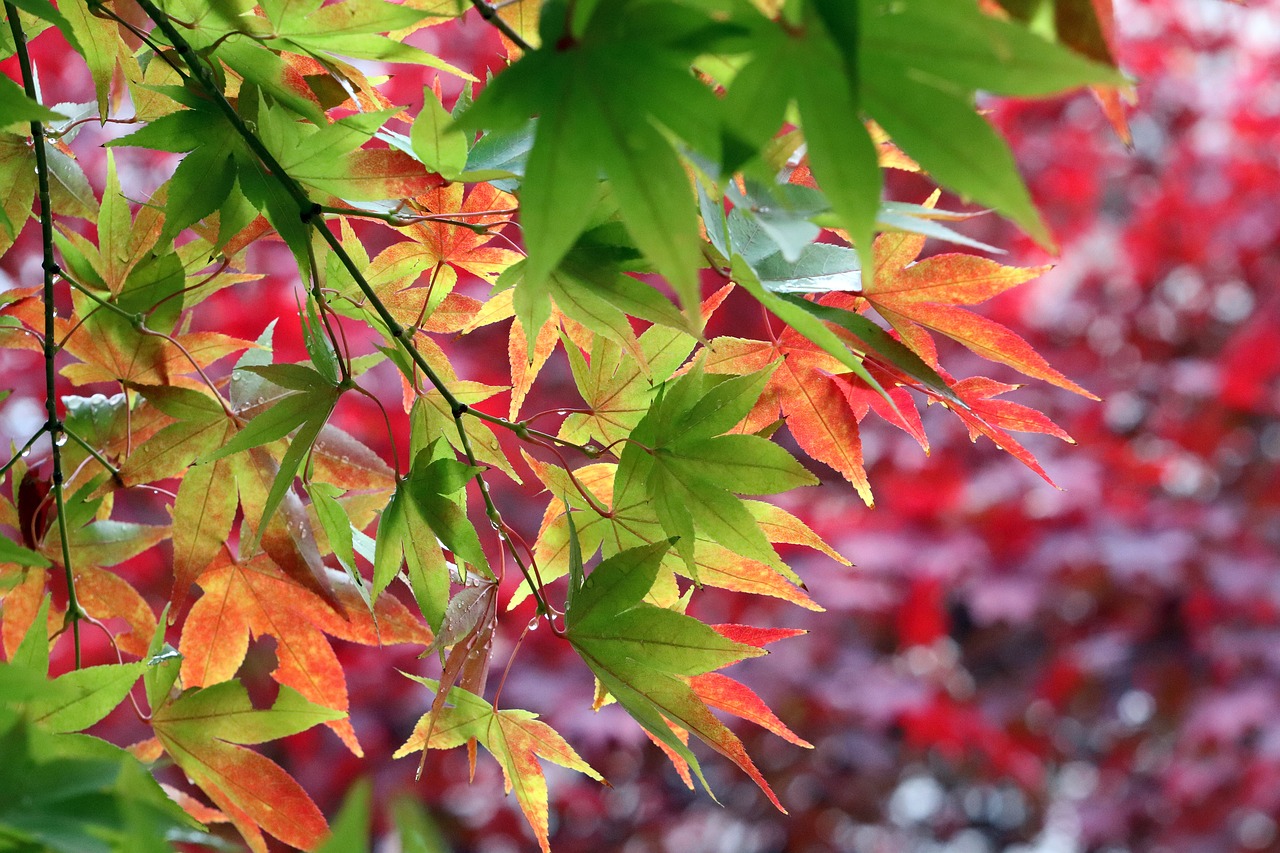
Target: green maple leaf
[
  {"x": 76, "y": 700},
  {"x": 606, "y": 97},
  {"x": 644, "y": 655},
  {"x": 306, "y": 410},
  {"x": 681, "y": 468}
]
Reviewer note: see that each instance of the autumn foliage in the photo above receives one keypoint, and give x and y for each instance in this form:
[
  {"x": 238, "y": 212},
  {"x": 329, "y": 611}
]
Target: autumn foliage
[{"x": 581, "y": 223}]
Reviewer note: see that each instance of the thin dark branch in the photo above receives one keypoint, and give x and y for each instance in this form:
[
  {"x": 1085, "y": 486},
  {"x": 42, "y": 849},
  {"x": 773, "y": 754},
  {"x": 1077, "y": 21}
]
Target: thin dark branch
[
  {"x": 491, "y": 15},
  {"x": 21, "y": 453},
  {"x": 53, "y": 425}
]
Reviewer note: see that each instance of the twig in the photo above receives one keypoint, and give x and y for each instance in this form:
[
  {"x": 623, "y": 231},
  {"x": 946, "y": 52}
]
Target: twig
[
  {"x": 102, "y": 460},
  {"x": 491, "y": 15},
  {"x": 400, "y": 220},
  {"x": 54, "y": 424},
  {"x": 21, "y": 452}
]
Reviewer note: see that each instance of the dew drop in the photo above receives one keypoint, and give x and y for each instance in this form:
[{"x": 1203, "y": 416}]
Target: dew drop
[
  {"x": 561, "y": 412},
  {"x": 346, "y": 458},
  {"x": 533, "y": 623},
  {"x": 495, "y": 525},
  {"x": 26, "y": 451},
  {"x": 61, "y": 440}
]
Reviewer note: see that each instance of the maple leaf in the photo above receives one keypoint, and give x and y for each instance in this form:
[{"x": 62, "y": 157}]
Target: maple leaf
[
  {"x": 200, "y": 426},
  {"x": 17, "y": 189},
  {"x": 515, "y": 738},
  {"x": 467, "y": 630},
  {"x": 912, "y": 294},
  {"x": 618, "y": 390},
  {"x": 101, "y": 593},
  {"x": 688, "y": 471},
  {"x": 124, "y": 243},
  {"x": 24, "y": 591},
  {"x": 111, "y": 350},
  {"x": 984, "y": 415},
  {"x": 107, "y": 595},
  {"x": 803, "y": 391},
  {"x": 715, "y": 565},
  {"x": 523, "y": 16},
  {"x": 719, "y": 691},
  {"x": 205, "y": 730},
  {"x": 253, "y": 599},
  {"x": 645, "y": 656},
  {"x": 436, "y": 242}
]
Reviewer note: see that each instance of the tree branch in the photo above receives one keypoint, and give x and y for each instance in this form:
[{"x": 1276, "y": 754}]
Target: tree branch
[
  {"x": 53, "y": 425},
  {"x": 491, "y": 15}
]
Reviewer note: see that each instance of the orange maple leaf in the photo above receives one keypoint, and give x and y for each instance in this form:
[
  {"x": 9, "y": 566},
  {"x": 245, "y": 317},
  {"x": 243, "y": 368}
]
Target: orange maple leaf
[
  {"x": 916, "y": 295},
  {"x": 255, "y": 598},
  {"x": 803, "y": 391},
  {"x": 993, "y": 418},
  {"x": 515, "y": 738},
  {"x": 449, "y": 243},
  {"x": 204, "y": 731},
  {"x": 720, "y": 691}
]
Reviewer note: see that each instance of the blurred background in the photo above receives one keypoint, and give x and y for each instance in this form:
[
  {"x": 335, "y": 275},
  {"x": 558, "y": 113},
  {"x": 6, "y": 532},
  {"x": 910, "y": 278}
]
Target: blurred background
[{"x": 1007, "y": 667}]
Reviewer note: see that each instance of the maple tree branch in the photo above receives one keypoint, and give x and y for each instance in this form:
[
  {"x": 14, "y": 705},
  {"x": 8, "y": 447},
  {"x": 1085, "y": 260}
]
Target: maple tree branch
[
  {"x": 54, "y": 424},
  {"x": 595, "y": 505},
  {"x": 491, "y": 15},
  {"x": 312, "y": 215},
  {"x": 100, "y": 119},
  {"x": 527, "y": 433}
]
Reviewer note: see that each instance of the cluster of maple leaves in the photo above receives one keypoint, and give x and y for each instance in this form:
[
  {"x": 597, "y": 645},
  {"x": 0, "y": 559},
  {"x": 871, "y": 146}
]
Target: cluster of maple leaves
[{"x": 671, "y": 431}]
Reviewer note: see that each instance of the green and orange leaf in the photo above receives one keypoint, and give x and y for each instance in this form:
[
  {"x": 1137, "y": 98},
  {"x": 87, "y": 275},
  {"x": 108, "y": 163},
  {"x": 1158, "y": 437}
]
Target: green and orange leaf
[
  {"x": 242, "y": 601},
  {"x": 515, "y": 738},
  {"x": 913, "y": 294},
  {"x": 205, "y": 730}
]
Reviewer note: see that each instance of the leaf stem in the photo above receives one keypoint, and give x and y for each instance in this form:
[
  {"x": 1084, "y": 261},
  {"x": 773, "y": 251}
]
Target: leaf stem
[
  {"x": 102, "y": 303},
  {"x": 54, "y": 424},
  {"x": 4, "y": 469},
  {"x": 400, "y": 220},
  {"x": 102, "y": 460}
]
